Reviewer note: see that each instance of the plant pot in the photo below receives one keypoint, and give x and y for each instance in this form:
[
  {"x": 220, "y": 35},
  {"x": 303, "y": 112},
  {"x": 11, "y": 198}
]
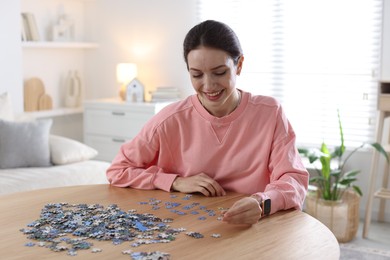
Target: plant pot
[{"x": 341, "y": 217}]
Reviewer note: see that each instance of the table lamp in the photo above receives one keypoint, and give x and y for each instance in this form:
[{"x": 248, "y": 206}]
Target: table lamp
[{"x": 125, "y": 73}]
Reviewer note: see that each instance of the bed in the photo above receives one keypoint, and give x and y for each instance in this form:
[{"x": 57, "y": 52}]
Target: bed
[
  {"x": 31, "y": 157},
  {"x": 31, "y": 178}
]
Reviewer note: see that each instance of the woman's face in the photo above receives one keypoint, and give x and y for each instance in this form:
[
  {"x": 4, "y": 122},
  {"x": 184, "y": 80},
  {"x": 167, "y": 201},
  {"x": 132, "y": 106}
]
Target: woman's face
[{"x": 213, "y": 76}]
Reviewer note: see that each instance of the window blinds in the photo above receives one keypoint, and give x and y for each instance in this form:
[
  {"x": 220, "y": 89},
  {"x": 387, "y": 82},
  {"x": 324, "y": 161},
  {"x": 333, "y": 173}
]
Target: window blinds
[{"x": 315, "y": 57}]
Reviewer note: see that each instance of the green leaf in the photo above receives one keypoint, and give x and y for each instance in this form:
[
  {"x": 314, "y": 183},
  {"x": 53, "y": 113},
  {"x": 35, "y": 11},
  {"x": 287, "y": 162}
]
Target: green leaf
[
  {"x": 358, "y": 190},
  {"x": 325, "y": 161},
  {"x": 336, "y": 173},
  {"x": 380, "y": 149},
  {"x": 342, "y": 147},
  {"x": 351, "y": 173},
  {"x": 303, "y": 151},
  {"x": 312, "y": 158},
  {"x": 347, "y": 181},
  {"x": 338, "y": 152}
]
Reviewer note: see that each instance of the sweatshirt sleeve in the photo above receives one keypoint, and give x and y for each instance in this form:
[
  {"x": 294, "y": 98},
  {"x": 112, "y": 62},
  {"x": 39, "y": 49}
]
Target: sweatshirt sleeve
[
  {"x": 135, "y": 166},
  {"x": 289, "y": 178}
]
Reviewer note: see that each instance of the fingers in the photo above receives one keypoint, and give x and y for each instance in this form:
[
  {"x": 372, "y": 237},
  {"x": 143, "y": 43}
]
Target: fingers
[
  {"x": 209, "y": 187},
  {"x": 198, "y": 183},
  {"x": 244, "y": 211}
]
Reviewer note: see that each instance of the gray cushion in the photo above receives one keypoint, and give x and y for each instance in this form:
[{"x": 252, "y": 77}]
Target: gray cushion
[{"x": 24, "y": 144}]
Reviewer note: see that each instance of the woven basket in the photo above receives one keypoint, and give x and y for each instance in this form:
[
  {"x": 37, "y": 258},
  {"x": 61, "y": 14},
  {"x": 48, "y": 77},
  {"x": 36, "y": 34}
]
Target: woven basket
[{"x": 341, "y": 217}]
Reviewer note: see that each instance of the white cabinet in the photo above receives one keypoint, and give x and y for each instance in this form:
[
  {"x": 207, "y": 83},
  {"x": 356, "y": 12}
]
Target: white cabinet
[
  {"x": 50, "y": 59},
  {"x": 108, "y": 123}
]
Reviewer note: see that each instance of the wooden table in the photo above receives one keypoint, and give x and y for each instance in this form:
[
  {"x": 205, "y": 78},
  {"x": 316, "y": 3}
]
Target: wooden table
[{"x": 285, "y": 235}]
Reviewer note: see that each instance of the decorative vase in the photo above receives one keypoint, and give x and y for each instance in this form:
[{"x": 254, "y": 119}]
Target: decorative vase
[
  {"x": 73, "y": 90},
  {"x": 341, "y": 217}
]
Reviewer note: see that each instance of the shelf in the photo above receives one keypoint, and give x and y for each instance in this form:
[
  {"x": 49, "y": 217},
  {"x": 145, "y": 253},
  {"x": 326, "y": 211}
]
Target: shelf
[
  {"x": 53, "y": 113},
  {"x": 59, "y": 45},
  {"x": 382, "y": 193}
]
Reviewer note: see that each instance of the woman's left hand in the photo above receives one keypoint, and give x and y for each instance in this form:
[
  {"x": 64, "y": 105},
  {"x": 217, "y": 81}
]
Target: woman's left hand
[{"x": 243, "y": 211}]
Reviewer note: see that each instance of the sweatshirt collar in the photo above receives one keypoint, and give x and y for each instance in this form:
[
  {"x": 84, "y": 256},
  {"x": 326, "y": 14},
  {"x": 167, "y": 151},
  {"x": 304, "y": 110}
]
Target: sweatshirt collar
[{"x": 225, "y": 119}]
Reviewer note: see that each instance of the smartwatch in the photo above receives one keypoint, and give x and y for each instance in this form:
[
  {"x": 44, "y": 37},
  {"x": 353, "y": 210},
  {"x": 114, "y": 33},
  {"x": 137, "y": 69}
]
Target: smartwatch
[{"x": 265, "y": 204}]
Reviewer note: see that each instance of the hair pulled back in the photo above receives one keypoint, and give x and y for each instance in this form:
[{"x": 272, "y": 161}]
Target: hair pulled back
[{"x": 212, "y": 34}]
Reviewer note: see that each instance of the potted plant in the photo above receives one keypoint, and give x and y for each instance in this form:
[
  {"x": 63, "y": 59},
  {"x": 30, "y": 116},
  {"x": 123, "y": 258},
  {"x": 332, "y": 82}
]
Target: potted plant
[{"x": 334, "y": 199}]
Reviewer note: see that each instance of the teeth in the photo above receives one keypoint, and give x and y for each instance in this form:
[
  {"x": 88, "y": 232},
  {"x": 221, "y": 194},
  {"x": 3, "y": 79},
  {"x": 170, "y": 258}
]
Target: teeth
[{"x": 214, "y": 94}]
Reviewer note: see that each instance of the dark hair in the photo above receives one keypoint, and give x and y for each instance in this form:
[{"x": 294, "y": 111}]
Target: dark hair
[{"x": 212, "y": 34}]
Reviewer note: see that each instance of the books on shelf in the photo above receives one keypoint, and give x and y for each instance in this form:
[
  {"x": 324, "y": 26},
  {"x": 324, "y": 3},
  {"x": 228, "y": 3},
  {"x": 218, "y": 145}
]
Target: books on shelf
[
  {"x": 23, "y": 31},
  {"x": 29, "y": 27},
  {"x": 162, "y": 94}
]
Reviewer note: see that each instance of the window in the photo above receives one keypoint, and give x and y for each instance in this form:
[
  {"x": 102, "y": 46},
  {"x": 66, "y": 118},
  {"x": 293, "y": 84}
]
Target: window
[{"x": 315, "y": 57}]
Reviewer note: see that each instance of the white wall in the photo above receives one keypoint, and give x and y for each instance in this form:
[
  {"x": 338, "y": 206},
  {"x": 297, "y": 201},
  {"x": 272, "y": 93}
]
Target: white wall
[
  {"x": 149, "y": 33},
  {"x": 10, "y": 52}
]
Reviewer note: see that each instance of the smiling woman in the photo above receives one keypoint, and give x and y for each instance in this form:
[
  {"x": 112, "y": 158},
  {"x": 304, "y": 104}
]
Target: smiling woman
[{"x": 220, "y": 139}]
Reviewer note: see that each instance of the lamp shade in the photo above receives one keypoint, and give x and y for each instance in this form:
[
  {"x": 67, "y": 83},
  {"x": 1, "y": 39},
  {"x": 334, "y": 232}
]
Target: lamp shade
[{"x": 126, "y": 72}]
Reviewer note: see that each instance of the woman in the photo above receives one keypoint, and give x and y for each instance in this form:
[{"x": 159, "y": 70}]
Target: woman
[{"x": 220, "y": 139}]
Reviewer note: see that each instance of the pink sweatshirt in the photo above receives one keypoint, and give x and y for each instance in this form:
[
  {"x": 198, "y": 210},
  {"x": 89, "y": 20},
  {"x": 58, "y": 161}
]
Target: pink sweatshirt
[{"x": 250, "y": 151}]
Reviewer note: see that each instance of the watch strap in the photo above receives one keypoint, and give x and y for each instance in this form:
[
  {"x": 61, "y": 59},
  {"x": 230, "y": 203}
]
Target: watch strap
[{"x": 264, "y": 202}]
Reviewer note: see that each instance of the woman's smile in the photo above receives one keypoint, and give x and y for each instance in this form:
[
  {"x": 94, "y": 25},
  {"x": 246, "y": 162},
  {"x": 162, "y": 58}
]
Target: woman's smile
[{"x": 212, "y": 96}]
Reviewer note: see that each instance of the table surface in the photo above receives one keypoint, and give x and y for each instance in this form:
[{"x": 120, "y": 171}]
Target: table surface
[{"x": 288, "y": 234}]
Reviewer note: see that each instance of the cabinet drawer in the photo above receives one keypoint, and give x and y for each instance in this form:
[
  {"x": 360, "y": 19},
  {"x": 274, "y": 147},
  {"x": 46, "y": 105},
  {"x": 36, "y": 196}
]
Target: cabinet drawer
[
  {"x": 120, "y": 123},
  {"x": 108, "y": 123},
  {"x": 108, "y": 147}
]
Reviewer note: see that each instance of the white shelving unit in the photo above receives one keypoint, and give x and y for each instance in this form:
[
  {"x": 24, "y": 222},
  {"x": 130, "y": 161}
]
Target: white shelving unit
[
  {"x": 59, "y": 45},
  {"x": 51, "y": 60},
  {"x": 54, "y": 112}
]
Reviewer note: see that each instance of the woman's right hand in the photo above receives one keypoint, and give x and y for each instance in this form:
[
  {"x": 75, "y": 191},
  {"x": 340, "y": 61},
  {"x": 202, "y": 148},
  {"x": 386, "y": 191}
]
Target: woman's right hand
[{"x": 198, "y": 183}]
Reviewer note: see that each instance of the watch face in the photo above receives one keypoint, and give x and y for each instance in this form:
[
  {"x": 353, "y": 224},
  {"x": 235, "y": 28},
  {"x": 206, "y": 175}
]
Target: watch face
[{"x": 267, "y": 206}]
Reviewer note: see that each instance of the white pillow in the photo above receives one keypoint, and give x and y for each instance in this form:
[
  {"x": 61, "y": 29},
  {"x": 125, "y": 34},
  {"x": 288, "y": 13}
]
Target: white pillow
[
  {"x": 64, "y": 150},
  {"x": 6, "y": 112}
]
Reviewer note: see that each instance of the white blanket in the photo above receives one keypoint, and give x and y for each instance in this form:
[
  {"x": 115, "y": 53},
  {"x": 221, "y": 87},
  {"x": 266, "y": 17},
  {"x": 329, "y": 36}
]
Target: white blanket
[{"x": 25, "y": 179}]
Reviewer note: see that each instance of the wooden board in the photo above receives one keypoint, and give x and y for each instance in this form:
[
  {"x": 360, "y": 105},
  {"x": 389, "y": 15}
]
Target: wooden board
[
  {"x": 33, "y": 90},
  {"x": 45, "y": 102}
]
